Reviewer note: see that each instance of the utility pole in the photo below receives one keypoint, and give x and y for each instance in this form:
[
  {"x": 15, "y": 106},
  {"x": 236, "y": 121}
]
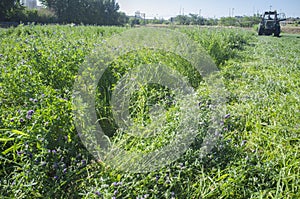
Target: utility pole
[
  {"x": 232, "y": 12},
  {"x": 270, "y": 7},
  {"x": 200, "y": 18}
]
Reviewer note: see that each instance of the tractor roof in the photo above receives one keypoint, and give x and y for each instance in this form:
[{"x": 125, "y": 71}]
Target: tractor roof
[{"x": 271, "y": 13}]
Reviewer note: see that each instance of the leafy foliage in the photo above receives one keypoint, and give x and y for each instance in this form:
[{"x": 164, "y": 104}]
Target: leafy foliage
[
  {"x": 42, "y": 155},
  {"x": 9, "y": 8},
  {"x": 102, "y": 12}
]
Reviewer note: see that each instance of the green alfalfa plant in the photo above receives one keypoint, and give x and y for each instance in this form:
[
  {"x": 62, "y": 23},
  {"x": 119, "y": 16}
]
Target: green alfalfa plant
[
  {"x": 262, "y": 154},
  {"x": 11, "y": 136}
]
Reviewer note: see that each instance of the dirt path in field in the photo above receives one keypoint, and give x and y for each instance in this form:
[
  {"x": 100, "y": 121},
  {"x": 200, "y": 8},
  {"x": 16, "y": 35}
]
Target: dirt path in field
[
  {"x": 291, "y": 30},
  {"x": 285, "y": 29}
]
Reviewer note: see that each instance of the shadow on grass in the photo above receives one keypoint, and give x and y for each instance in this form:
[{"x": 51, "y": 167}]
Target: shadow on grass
[{"x": 222, "y": 154}]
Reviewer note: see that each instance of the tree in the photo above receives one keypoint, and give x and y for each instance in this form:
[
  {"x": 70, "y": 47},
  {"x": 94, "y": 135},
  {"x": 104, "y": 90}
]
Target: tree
[
  {"x": 9, "y": 8},
  {"x": 196, "y": 19},
  {"x": 122, "y": 18},
  {"x": 111, "y": 12},
  {"x": 211, "y": 22},
  {"x": 101, "y": 12},
  {"x": 228, "y": 21},
  {"x": 182, "y": 20},
  {"x": 249, "y": 21}
]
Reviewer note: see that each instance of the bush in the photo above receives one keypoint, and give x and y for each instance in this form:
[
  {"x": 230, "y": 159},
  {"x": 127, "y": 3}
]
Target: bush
[
  {"x": 42, "y": 16},
  {"x": 255, "y": 27}
]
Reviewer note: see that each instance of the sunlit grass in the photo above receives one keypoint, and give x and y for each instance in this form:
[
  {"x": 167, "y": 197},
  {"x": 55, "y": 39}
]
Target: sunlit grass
[{"x": 257, "y": 157}]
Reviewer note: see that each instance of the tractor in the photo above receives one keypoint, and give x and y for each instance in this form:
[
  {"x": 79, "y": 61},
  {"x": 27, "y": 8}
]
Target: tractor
[{"x": 270, "y": 23}]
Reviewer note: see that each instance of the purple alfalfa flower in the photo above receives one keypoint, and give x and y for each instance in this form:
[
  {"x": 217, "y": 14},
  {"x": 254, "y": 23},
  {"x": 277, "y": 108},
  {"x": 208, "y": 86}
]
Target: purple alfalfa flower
[
  {"x": 115, "y": 184},
  {"x": 78, "y": 156},
  {"x": 56, "y": 177},
  {"x": 21, "y": 120},
  {"x": 29, "y": 155},
  {"x": 98, "y": 193},
  {"x": 157, "y": 178},
  {"x": 29, "y": 114},
  {"x": 244, "y": 142},
  {"x": 181, "y": 165},
  {"x": 172, "y": 195},
  {"x": 115, "y": 192},
  {"x": 227, "y": 116},
  {"x": 19, "y": 153},
  {"x": 65, "y": 170},
  {"x": 12, "y": 120},
  {"x": 229, "y": 140},
  {"x": 83, "y": 162},
  {"x": 119, "y": 183},
  {"x": 35, "y": 100}
]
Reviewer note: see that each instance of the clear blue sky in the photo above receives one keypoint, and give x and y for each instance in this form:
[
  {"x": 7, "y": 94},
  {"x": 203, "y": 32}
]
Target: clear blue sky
[{"x": 209, "y": 8}]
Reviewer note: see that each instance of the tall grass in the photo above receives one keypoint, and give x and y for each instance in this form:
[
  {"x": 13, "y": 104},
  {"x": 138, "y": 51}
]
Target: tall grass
[{"x": 42, "y": 155}]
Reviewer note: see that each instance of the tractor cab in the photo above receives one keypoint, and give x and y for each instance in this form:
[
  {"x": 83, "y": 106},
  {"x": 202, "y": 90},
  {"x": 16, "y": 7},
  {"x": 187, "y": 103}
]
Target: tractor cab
[
  {"x": 270, "y": 23},
  {"x": 270, "y": 15}
]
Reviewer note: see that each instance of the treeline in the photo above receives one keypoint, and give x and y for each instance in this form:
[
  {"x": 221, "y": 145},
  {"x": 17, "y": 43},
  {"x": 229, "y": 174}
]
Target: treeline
[
  {"x": 194, "y": 19},
  {"x": 10, "y": 10},
  {"x": 102, "y": 12},
  {"x": 94, "y": 12}
]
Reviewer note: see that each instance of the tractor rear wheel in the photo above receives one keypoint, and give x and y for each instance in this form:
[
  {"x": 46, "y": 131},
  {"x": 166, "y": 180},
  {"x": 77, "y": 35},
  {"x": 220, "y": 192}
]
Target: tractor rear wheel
[
  {"x": 260, "y": 30},
  {"x": 277, "y": 31}
]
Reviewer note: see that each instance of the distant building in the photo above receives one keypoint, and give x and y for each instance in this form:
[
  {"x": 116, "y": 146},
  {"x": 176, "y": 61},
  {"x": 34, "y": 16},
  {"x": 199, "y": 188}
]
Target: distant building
[
  {"x": 139, "y": 15},
  {"x": 30, "y": 3}
]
